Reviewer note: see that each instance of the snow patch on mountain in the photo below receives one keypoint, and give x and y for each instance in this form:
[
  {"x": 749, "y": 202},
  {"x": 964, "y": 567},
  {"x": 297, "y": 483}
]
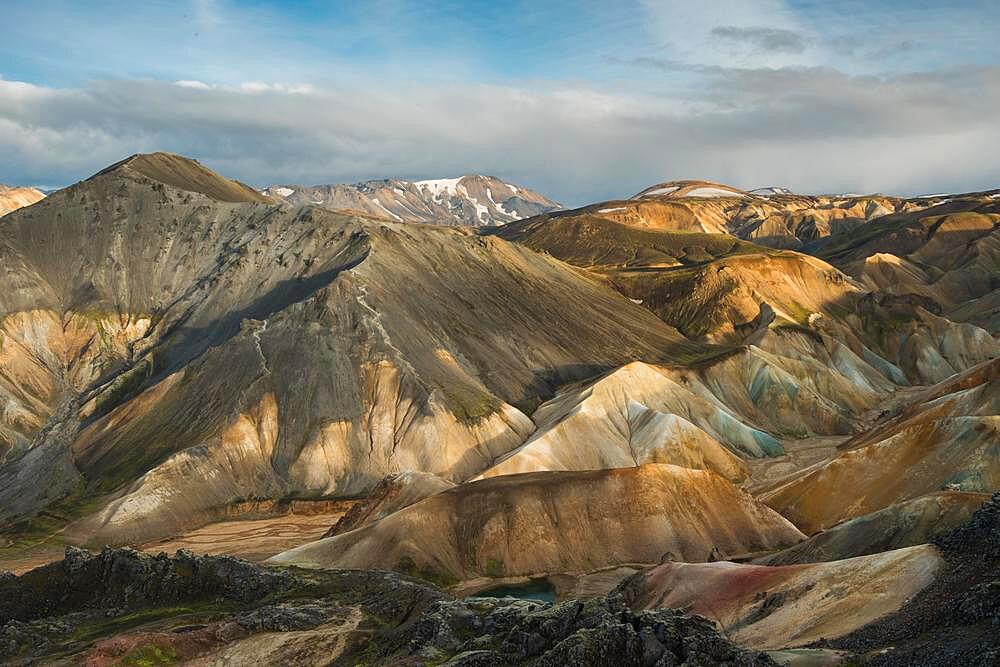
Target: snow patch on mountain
[
  {"x": 713, "y": 192},
  {"x": 661, "y": 191},
  {"x": 440, "y": 187}
]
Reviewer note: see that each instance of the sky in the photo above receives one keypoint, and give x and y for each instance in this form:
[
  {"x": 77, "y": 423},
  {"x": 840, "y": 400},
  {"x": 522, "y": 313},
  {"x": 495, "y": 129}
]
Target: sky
[{"x": 583, "y": 101}]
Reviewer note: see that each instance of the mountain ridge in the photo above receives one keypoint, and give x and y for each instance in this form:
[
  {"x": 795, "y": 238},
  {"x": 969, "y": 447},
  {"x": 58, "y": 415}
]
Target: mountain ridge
[{"x": 471, "y": 199}]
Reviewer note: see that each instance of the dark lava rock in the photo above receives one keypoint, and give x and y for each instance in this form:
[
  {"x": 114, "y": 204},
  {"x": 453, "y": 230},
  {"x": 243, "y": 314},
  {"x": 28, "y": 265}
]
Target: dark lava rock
[
  {"x": 602, "y": 631},
  {"x": 980, "y": 535},
  {"x": 955, "y": 620},
  {"x": 62, "y": 608},
  {"x": 124, "y": 578}
]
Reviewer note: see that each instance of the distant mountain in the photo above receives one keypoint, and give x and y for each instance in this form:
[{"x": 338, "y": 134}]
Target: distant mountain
[
  {"x": 699, "y": 189},
  {"x": 472, "y": 199},
  {"x": 772, "y": 216},
  {"x": 12, "y": 199},
  {"x": 772, "y": 190}
]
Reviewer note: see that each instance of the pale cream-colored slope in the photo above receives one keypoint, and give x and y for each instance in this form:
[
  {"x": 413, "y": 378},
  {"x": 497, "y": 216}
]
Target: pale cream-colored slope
[
  {"x": 635, "y": 415},
  {"x": 195, "y": 485},
  {"x": 791, "y": 605},
  {"x": 700, "y": 416},
  {"x": 46, "y": 357},
  {"x": 932, "y": 349},
  {"x": 559, "y": 522},
  {"x": 796, "y": 387},
  {"x": 12, "y": 199}
]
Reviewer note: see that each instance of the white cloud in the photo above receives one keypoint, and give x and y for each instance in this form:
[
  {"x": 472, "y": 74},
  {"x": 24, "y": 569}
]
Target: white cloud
[
  {"x": 201, "y": 85},
  {"x": 809, "y": 129},
  {"x": 260, "y": 87}
]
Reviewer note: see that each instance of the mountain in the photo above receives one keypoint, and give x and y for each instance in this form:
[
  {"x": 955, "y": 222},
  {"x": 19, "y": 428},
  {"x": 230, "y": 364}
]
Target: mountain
[
  {"x": 472, "y": 199},
  {"x": 222, "y": 347},
  {"x": 694, "y": 189},
  {"x": 678, "y": 258},
  {"x": 773, "y": 217},
  {"x": 945, "y": 439},
  {"x": 12, "y": 199},
  {"x": 166, "y": 169}
]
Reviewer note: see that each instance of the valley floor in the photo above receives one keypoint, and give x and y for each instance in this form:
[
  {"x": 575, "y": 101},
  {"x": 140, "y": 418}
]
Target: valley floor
[{"x": 254, "y": 539}]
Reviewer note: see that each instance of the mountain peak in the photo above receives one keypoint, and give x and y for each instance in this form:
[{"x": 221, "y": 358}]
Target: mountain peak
[
  {"x": 690, "y": 188},
  {"x": 471, "y": 199},
  {"x": 185, "y": 174}
]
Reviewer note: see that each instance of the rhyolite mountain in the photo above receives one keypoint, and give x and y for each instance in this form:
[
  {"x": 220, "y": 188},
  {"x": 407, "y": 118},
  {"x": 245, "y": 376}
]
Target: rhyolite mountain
[
  {"x": 473, "y": 199},
  {"x": 614, "y": 403},
  {"x": 174, "y": 342}
]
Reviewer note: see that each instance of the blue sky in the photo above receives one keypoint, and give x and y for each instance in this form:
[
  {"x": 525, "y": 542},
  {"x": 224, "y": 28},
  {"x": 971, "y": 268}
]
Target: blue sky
[{"x": 583, "y": 100}]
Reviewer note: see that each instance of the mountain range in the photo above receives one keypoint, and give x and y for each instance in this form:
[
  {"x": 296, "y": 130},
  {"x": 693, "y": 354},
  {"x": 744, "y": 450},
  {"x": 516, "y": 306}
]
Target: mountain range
[
  {"x": 777, "y": 411},
  {"x": 472, "y": 199}
]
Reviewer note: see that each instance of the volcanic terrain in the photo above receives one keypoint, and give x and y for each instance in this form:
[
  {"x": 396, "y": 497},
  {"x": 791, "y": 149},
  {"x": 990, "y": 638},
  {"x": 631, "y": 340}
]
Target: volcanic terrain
[{"x": 776, "y": 412}]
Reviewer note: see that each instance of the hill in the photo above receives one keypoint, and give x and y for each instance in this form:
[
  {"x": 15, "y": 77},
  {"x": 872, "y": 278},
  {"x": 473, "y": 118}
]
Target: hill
[{"x": 558, "y": 521}]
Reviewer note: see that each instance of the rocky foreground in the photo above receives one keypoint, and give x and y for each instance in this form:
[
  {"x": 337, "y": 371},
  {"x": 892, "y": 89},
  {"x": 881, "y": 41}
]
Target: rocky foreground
[
  {"x": 955, "y": 620},
  {"x": 122, "y": 607}
]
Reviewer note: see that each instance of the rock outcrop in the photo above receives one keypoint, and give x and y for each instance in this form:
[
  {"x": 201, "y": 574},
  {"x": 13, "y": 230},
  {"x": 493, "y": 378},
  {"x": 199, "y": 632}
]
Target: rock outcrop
[{"x": 119, "y": 606}]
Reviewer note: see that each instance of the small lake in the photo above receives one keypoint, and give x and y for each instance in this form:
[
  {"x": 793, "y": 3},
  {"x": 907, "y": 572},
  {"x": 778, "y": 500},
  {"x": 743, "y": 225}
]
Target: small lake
[{"x": 536, "y": 589}]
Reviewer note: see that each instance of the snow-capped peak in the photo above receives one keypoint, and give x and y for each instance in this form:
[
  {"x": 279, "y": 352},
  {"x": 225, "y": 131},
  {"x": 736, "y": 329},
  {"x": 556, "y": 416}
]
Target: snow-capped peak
[{"x": 440, "y": 186}]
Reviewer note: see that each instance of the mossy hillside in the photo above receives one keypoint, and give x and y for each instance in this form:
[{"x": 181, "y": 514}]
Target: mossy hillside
[{"x": 594, "y": 242}]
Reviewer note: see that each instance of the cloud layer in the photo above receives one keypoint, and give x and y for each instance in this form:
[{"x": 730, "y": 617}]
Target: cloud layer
[
  {"x": 810, "y": 129},
  {"x": 581, "y": 100}
]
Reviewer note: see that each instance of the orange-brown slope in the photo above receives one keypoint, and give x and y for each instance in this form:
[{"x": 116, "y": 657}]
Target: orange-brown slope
[
  {"x": 947, "y": 438},
  {"x": 958, "y": 453},
  {"x": 558, "y": 522},
  {"x": 12, "y": 199},
  {"x": 905, "y": 524}
]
